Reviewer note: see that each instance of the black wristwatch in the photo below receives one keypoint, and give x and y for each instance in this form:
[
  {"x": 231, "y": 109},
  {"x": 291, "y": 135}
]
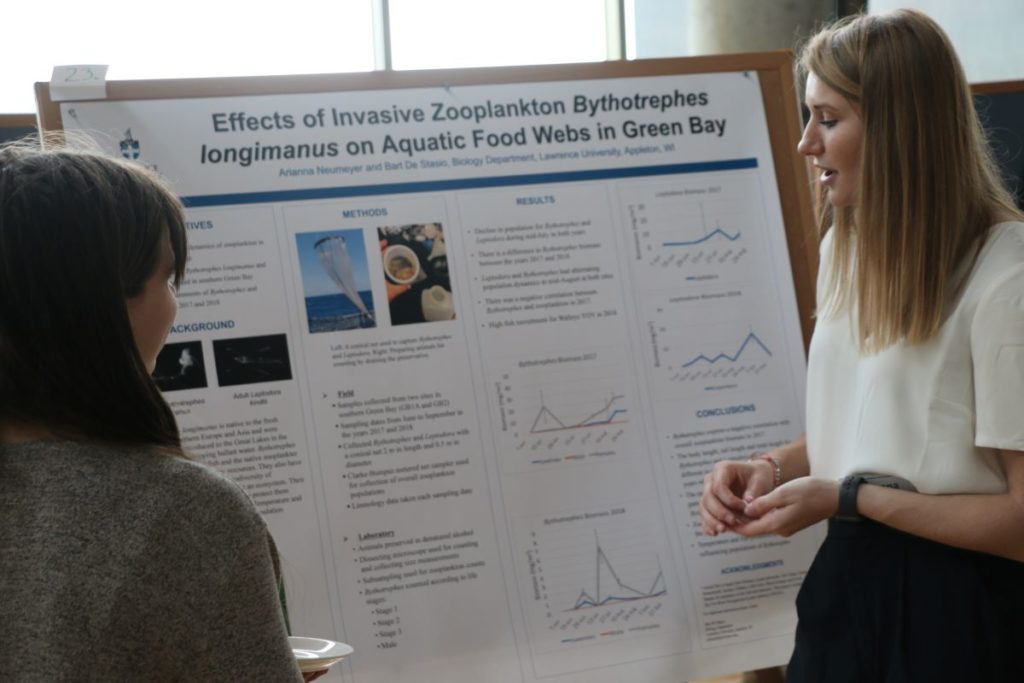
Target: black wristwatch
[{"x": 847, "y": 511}]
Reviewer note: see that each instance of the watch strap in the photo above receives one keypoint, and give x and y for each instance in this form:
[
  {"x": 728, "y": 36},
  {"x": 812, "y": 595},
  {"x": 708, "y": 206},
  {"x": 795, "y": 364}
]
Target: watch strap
[
  {"x": 847, "y": 510},
  {"x": 890, "y": 482}
]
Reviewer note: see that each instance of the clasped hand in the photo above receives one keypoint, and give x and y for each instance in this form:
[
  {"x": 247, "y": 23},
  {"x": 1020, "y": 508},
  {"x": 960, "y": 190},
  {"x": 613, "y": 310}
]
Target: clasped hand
[{"x": 738, "y": 496}]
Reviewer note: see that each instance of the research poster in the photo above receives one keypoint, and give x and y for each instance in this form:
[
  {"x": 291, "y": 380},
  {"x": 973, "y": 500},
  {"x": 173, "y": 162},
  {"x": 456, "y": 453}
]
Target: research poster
[{"x": 471, "y": 350}]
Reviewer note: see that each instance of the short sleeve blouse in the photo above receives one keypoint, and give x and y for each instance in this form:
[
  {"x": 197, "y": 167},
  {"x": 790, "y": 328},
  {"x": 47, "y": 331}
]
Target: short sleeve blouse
[{"x": 933, "y": 413}]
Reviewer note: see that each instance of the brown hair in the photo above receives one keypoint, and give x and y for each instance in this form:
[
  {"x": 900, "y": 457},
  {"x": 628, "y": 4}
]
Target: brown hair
[
  {"x": 80, "y": 233},
  {"x": 928, "y": 188}
]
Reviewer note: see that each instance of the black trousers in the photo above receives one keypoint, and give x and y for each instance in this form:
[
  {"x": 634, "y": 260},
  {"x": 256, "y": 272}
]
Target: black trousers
[{"x": 881, "y": 606}]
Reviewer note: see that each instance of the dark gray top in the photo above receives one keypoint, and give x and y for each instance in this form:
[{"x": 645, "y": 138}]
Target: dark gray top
[{"x": 125, "y": 565}]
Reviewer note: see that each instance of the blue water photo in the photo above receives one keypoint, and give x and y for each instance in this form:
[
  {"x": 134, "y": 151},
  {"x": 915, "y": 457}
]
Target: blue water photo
[
  {"x": 335, "y": 272},
  {"x": 332, "y": 312}
]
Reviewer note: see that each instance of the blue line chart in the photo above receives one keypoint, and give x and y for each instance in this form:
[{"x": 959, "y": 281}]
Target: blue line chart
[
  {"x": 705, "y": 238},
  {"x": 725, "y": 356},
  {"x": 620, "y": 592}
]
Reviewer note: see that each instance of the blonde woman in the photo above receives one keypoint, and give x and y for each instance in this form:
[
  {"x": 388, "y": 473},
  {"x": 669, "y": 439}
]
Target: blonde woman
[{"x": 914, "y": 449}]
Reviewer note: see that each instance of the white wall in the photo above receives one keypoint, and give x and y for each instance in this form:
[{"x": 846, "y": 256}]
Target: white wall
[
  {"x": 657, "y": 28},
  {"x": 988, "y": 34},
  {"x": 677, "y": 28}
]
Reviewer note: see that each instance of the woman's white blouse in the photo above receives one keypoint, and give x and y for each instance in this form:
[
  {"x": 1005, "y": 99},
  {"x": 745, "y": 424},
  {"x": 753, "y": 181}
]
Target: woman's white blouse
[{"x": 933, "y": 413}]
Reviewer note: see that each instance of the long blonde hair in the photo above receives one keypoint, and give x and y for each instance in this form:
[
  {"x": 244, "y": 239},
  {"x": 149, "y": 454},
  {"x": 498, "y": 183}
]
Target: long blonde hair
[{"x": 929, "y": 189}]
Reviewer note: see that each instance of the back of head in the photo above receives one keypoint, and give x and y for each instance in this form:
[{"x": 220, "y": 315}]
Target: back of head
[
  {"x": 79, "y": 234},
  {"x": 928, "y": 189}
]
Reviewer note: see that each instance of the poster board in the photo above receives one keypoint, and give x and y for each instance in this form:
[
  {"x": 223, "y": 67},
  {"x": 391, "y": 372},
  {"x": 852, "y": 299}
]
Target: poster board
[
  {"x": 471, "y": 339},
  {"x": 14, "y": 126},
  {"x": 1000, "y": 106}
]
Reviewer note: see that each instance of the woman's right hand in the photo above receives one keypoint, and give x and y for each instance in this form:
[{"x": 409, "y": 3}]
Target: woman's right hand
[{"x": 728, "y": 488}]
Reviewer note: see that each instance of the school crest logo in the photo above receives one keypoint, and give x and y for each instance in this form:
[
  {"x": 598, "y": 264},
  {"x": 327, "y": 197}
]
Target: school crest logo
[{"x": 130, "y": 146}]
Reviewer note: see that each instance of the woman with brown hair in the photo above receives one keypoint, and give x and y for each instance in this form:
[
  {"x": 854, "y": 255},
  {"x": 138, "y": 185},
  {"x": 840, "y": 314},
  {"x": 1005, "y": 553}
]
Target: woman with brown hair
[
  {"x": 120, "y": 559},
  {"x": 914, "y": 449}
]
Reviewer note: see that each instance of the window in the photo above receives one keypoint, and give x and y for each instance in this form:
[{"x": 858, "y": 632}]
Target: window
[
  {"x": 183, "y": 39},
  {"x": 211, "y": 38},
  {"x": 470, "y": 33}
]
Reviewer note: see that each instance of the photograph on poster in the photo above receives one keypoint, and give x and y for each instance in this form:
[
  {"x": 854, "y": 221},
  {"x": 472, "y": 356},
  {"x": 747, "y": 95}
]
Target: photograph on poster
[
  {"x": 251, "y": 360},
  {"x": 335, "y": 280},
  {"x": 180, "y": 366},
  {"x": 415, "y": 265}
]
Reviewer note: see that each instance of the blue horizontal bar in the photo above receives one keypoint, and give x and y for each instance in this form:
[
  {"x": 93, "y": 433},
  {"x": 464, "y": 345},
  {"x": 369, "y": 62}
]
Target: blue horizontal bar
[{"x": 464, "y": 183}]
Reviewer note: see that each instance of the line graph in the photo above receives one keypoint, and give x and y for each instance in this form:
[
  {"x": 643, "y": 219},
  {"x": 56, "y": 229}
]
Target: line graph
[
  {"x": 596, "y": 575},
  {"x": 664, "y": 221},
  {"x": 714, "y": 357},
  {"x": 717, "y": 339},
  {"x": 751, "y": 337},
  {"x": 569, "y": 408},
  {"x": 695, "y": 229},
  {"x": 620, "y": 592},
  {"x": 546, "y": 421},
  {"x": 692, "y": 243}
]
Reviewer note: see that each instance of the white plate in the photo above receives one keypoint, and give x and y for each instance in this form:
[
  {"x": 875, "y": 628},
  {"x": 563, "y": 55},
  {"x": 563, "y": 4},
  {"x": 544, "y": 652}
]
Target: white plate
[{"x": 314, "y": 654}]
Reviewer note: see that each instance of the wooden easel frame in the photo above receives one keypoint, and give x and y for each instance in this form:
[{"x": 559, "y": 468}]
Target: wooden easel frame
[
  {"x": 997, "y": 87},
  {"x": 16, "y": 124},
  {"x": 17, "y": 120},
  {"x": 774, "y": 71}
]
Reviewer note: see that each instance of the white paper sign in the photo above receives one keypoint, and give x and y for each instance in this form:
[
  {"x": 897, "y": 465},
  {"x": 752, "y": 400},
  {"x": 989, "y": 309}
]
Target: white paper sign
[{"x": 78, "y": 82}]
